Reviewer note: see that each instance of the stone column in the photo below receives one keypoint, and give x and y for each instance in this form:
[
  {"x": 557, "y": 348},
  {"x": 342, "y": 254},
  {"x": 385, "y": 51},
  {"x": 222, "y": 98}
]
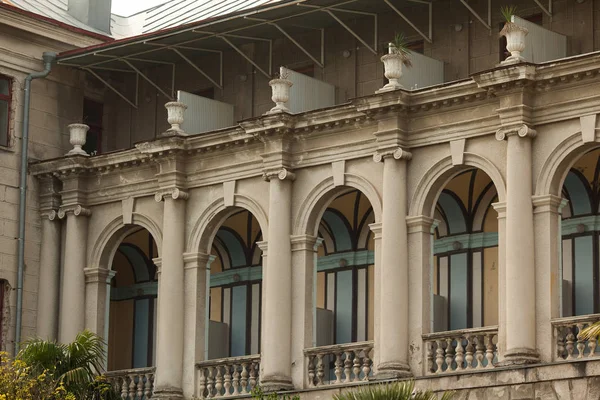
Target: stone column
[
  {"x": 304, "y": 250},
  {"x": 49, "y": 281},
  {"x": 195, "y": 317},
  {"x": 97, "y": 300},
  {"x": 393, "y": 335},
  {"x": 276, "y": 363},
  {"x": 376, "y": 229},
  {"x": 72, "y": 305},
  {"x": 169, "y": 336},
  {"x": 548, "y": 244},
  {"x": 419, "y": 288},
  {"x": 500, "y": 208},
  {"x": 520, "y": 267}
]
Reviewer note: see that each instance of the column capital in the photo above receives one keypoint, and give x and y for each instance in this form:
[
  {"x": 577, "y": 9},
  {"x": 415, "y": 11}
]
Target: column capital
[
  {"x": 305, "y": 243},
  {"x": 520, "y": 130},
  {"x": 174, "y": 193},
  {"x": 419, "y": 223},
  {"x": 98, "y": 275},
  {"x": 548, "y": 203},
  {"x": 196, "y": 260},
  {"x": 263, "y": 246},
  {"x": 500, "y": 208},
  {"x": 76, "y": 210},
  {"x": 376, "y": 229},
  {"x": 397, "y": 153},
  {"x": 281, "y": 173},
  {"x": 51, "y": 215}
]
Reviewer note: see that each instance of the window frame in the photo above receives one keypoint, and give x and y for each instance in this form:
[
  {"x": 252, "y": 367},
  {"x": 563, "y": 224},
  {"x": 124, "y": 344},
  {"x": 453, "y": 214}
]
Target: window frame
[{"x": 8, "y": 98}]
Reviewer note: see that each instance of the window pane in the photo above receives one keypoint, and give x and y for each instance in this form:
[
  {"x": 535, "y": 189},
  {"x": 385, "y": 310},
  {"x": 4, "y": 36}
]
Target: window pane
[
  {"x": 343, "y": 308},
  {"x": 3, "y": 123},
  {"x": 458, "y": 291},
  {"x": 4, "y": 86},
  {"x": 141, "y": 333},
  {"x": 238, "y": 321},
  {"x": 584, "y": 275}
]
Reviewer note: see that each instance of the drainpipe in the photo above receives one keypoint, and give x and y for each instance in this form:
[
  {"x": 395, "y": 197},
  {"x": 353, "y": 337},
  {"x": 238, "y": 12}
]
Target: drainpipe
[{"x": 48, "y": 58}]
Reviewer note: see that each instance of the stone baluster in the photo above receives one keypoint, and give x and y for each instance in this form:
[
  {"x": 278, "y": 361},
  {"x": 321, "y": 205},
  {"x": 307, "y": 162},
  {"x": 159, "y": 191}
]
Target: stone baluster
[
  {"x": 236, "y": 379},
  {"x": 124, "y": 388},
  {"x": 489, "y": 353},
  {"x": 366, "y": 366},
  {"x": 253, "y": 375},
  {"x": 140, "y": 386},
  {"x": 560, "y": 342},
  {"x": 218, "y": 382},
  {"x": 202, "y": 383},
  {"x": 338, "y": 367},
  {"x": 580, "y": 342},
  {"x": 479, "y": 351},
  {"x": 348, "y": 366},
  {"x": 149, "y": 385},
  {"x": 244, "y": 379},
  {"x": 570, "y": 343},
  {"x": 469, "y": 352},
  {"x": 356, "y": 366},
  {"x": 311, "y": 371},
  {"x": 227, "y": 381},
  {"x": 439, "y": 358},
  {"x": 592, "y": 343},
  {"x": 210, "y": 383},
  {"x": 132, "y": 387},
  {"x": 320, "y": 370},
  {"x": 460, "y": 354},
  {"x": 449, "y": 354},
  {"x": 430, "y": 361}
]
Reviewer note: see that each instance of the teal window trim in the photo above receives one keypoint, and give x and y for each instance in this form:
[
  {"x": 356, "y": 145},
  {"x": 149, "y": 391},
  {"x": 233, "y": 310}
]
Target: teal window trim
[
  {"x": 468, "y": 241},
  {"x": 569, "y": 225},
  {"x": 134, "y": 291},
  {"x": 348, "y": 259},
  {"x": 236, "y": 275}
]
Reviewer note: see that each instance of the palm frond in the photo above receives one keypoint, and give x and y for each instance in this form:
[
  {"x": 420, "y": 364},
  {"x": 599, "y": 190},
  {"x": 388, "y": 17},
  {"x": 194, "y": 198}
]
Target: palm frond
[
  {"x": 592, "y": 331},
  {"x": 404, "y": 390},
  {"x": 507, "y": 12}
]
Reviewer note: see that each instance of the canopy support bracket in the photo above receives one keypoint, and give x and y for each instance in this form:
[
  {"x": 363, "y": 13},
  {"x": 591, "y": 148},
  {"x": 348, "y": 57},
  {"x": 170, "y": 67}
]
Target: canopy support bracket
[
  {"x": 170, "y": 97},
  {"x": 547, "y": 11},
  {"x": 487, "y": 24},
  {"x": 200, "y": 70},
  {"x": 251, "y": 61},
  {"x": 111, "y": 87},
  {"x": 428, "y": 38}
]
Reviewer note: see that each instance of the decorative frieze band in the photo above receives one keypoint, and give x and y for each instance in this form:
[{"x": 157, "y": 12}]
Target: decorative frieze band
[
  {"x": 281, "y": 174},
  {"x": 174, "y": 193},
  {"x": 76, "y": 210},
  {"x": 521, "y": 130},
  {"x": 397, "y": 154}
]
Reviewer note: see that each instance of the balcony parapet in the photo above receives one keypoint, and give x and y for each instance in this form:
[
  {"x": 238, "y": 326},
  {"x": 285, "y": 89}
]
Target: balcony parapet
[
  {"x": 339, "y": 364},
  {"x": 569, "y": 346},
  {"x": 228, "y": 377},
  {"x": 133, "y": 384},
  {"x": 465, "y": 350}
]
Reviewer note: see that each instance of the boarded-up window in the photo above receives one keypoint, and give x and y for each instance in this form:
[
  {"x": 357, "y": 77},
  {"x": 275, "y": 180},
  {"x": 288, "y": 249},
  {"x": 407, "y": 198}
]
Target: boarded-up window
[{"x": 5, "y": 98}]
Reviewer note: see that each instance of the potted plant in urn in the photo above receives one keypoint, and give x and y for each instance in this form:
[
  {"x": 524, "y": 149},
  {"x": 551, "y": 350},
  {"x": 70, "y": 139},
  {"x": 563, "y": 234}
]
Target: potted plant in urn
[
  {"x": 280, "y": 87},
  {"x": 398, "y": 56},
  {"x": 515, "y": 36}
]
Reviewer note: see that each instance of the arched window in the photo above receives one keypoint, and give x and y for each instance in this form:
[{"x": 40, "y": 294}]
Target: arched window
[
  {"x": 345, "y": 272},
  {"x": 465, "y": 278},
  {"x": 580, "y": 237}
]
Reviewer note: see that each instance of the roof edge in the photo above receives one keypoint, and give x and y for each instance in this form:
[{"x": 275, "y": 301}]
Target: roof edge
[{"x": 54, "y": 22}]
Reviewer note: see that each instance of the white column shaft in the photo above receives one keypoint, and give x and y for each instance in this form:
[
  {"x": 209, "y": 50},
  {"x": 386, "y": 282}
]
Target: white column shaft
[
  {"x": 169, "y": 340},
  {"x": 72, "y": 307},
  {"x": 520, "y": 267},
  {"x": 394, "y": 263},
  {"x": 276, "y": 349},
  {"x": 49, "y": 283}
]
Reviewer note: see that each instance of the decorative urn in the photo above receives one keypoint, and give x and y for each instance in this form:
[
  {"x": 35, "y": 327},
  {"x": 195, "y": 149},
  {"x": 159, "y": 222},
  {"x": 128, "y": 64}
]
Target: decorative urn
[
  {"x": 515, "y": 42},
  {"x": 175, "y": 112},
  {"x": 77, "y": 137},
  {"x": 280, "y": 87}
]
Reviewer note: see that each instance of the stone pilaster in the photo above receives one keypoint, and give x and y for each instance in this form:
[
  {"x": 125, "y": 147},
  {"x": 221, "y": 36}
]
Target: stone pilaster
[
  {"x": 196, "y": 267},
  {"x": 420, "y": 241},
  {"x": 170, "y": 326},
  {"x": 276, "y": 346},
  {"x": 97, "y": 300},
  {"x": 376, "y": 229},
  {"x": 500, "y": 208},
  {"x": 394, "y": 300},
  {"x": 520, "y": 273},
  {"x": 304, "y": 251},
  {"x": 72, "y": 306},
  {"x": 49, "y": 281}
]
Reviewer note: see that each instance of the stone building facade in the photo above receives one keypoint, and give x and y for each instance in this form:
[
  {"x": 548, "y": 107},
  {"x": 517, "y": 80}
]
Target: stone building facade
[{"x": 444, "y": 231}]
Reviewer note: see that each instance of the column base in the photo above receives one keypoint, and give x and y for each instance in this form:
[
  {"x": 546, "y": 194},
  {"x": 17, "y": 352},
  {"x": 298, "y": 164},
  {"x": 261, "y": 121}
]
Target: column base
[
  {"x": 519, "y": 357},
  {"x": 167, "y": 394},
  {"x": 392, "y": 370},
  {"x": 274, "y": 383}
]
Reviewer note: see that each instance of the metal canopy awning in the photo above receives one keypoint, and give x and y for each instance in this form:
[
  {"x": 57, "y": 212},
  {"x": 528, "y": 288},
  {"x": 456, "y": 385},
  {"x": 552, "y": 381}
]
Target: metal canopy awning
[{"x": 266, "y": 23}]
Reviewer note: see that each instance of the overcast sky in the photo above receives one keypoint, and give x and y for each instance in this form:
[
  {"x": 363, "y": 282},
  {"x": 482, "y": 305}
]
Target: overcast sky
[{"x": 128, "y": 7}]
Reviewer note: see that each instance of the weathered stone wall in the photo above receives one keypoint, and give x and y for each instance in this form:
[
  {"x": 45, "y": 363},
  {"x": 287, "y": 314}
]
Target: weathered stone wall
[{"x": 55, "y": 102}]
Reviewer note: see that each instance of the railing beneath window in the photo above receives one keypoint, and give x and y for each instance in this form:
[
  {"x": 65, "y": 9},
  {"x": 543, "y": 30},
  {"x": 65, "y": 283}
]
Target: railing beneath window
[
  {"x": 133, "y": 384},
  {"x": 461, "y": 350},
  {"x": 337, "y": 364},
  {"x": 568, "y": 345},
  {"x": 226, "y": 377}
]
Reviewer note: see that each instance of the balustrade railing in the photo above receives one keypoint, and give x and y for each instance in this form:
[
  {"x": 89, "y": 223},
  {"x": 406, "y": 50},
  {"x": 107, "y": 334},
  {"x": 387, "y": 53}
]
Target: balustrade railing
[
  {"x": 568, "y": 345},
  {"x": 339, "y": 364},
  {"x": 461, "y": 350},
  {"x": 133, "y": 384},
  {"x": 226, "y": 377}
]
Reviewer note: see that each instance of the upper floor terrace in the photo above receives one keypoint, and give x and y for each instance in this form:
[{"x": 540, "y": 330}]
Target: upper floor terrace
[{"x": 332, "y": 48}]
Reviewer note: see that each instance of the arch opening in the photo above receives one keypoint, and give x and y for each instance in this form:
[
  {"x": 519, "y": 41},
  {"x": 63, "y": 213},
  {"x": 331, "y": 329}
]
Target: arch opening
[
  {"x": 580, "y": 237},
  {"x": 133, "y": 302},
  {"x": 465, "y": 253},
  {"x": 235, "y": 287}
]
